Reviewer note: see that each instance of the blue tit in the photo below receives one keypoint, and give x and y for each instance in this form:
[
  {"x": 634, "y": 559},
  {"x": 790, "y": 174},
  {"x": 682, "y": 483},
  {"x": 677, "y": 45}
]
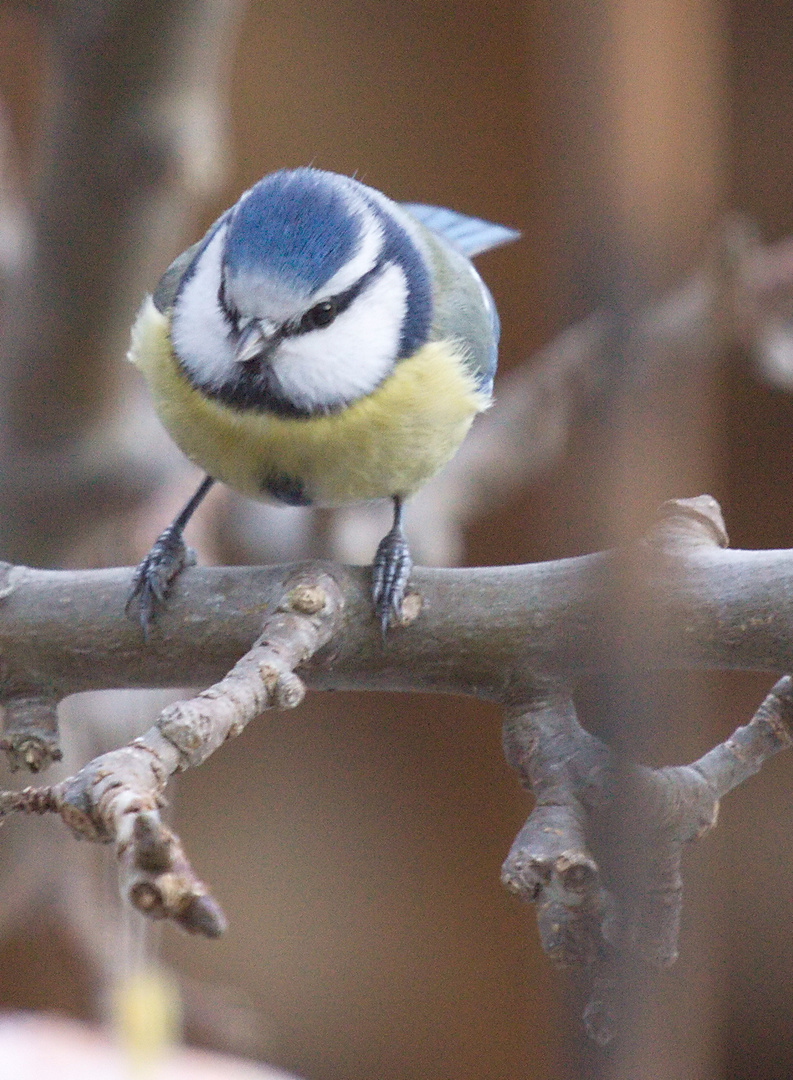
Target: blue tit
[{"x": 320, "y": 345}]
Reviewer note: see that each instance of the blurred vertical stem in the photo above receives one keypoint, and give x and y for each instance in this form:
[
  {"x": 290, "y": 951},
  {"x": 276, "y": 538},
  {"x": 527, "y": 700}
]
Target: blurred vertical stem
[
  {"x": 129, "y": 141},
  {"x": 633, "y": 99}
]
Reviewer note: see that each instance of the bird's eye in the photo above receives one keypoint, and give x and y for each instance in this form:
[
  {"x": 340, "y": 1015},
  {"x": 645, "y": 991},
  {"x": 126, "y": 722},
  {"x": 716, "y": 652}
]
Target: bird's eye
[{"x": 320, "y": 315}]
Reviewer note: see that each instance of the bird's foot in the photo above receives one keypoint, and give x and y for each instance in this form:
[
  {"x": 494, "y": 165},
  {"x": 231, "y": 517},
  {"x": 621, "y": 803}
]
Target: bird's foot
[
  {"x": 390, "y": 573},
  {"x": 155, "y": 575}
]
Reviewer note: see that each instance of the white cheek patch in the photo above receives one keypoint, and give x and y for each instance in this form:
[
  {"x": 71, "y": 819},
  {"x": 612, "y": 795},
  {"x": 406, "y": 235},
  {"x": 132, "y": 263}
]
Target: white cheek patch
[
  {"x": 199, "y": 332},
  {"x": 349, "y": 358},
  {"x": 318, "y": 370}
]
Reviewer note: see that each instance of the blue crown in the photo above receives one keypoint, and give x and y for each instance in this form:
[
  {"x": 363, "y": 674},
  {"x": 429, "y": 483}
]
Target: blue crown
[{"x": 297, "y": 225}]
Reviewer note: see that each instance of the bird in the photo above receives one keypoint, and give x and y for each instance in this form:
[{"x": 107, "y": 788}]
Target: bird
[{"x": 321, "y": 344}]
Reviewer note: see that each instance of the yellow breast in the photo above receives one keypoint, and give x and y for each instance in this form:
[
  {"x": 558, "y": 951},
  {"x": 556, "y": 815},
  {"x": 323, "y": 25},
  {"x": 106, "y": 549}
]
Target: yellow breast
[{"x": 387, "y": 443}]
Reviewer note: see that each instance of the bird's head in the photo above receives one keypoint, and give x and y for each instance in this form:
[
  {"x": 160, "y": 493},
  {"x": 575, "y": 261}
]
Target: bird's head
[{"x": 302, "y": 297}]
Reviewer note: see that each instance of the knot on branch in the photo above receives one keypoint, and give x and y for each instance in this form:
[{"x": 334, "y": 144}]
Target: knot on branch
[
  {"x": 101, "y": 801},
  {"x": 160, "y": 881},
  {"x": 689, "y": 522},
  {"x": 30, "y": 736},
  {"x": 549, "y": 865},
  {"x": 593, "y": 912}
]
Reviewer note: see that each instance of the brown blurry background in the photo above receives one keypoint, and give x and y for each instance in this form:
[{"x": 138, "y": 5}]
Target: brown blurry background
[{"x": 372, "y": 939}]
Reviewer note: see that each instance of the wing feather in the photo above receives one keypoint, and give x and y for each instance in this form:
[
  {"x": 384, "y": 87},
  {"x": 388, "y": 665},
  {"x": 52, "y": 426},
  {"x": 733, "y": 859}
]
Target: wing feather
[{"x": 470, "y": 235}]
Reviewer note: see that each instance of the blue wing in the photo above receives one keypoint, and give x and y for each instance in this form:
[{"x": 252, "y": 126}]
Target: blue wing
[{"x": 469, "y": 235}]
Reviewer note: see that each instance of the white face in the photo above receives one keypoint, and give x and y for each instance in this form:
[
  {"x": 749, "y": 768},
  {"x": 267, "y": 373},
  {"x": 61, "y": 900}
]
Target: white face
[{"x": 316, "y": 370}]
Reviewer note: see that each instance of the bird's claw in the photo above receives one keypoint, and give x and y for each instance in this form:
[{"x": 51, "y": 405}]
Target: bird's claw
[
  {"x": 154, "y": 576},
  {"x": 390, "y": 574}
]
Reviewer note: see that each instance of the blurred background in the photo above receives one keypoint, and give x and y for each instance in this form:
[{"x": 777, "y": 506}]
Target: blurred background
[{"x": 643, "y": 148}]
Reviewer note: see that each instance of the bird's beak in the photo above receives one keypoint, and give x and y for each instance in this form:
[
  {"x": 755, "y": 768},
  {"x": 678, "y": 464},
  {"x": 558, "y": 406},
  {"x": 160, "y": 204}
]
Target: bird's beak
[{"x": 257, "y": 340}]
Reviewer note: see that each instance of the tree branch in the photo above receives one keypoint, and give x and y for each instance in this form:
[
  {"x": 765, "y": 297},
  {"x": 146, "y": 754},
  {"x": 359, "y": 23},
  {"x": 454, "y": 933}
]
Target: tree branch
[
  {"x": 518, "y": 635},
  {"x": 587, "y": 920},
  {"x": 117, "y": 797},
  {"x": 498, "y": 633}
]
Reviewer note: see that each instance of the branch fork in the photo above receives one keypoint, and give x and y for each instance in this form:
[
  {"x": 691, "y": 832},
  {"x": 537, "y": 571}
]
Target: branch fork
[
  {"x": 595, "y": 912},
  {"x": 117, "y": 797}
]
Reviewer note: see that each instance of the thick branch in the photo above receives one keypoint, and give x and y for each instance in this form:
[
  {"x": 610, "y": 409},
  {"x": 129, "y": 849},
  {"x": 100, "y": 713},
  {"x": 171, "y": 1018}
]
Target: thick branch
[{"x": 494, "y": 632}]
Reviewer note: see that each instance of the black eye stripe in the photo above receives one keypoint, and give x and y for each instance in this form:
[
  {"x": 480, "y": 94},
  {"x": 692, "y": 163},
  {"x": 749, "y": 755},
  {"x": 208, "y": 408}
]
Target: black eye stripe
[
  {"x": 341, "y": 301},
  {"x": 231, "y": 316}
]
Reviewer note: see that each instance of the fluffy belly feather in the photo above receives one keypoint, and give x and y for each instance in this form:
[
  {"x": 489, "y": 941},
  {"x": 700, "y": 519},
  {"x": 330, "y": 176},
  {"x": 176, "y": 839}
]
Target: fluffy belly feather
[{"x": 388, "y": 443}]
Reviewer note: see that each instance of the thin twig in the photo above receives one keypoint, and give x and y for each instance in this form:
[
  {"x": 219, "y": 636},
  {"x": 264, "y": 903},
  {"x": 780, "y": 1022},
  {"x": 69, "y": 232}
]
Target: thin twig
[{"x": 117, "y": 797}]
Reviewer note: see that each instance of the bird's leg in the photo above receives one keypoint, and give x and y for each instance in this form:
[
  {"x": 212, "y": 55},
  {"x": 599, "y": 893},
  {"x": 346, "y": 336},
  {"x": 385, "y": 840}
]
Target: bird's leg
[
  {"x": 154, "y": 576},
  {"x": 391, "y": 570}
]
